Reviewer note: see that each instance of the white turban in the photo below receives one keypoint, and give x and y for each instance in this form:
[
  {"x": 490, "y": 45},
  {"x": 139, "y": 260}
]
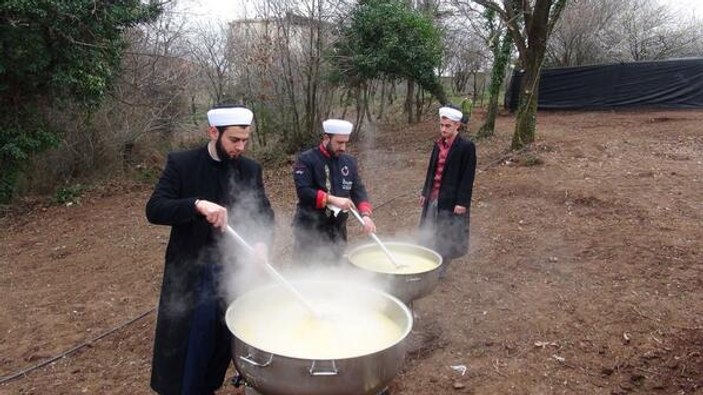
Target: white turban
[
  {"x": 450, "y": 113},
  {"x": 337, "y": 126},
  {"x": 239, "y": 116}
]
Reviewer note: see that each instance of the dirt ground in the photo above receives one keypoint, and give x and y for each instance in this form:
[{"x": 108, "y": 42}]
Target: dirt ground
[{"x": 585, "y": 274}]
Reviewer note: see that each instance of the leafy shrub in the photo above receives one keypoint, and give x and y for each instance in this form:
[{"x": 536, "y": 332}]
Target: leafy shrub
[{"x": 68, "y": 194}]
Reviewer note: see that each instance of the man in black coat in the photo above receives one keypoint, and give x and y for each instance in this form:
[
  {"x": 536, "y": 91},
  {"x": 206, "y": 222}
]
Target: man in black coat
[
  {"x": 446, "y": 194},
  {"x": 198, "y": 193},
  {"x": 328, "y": 184}
]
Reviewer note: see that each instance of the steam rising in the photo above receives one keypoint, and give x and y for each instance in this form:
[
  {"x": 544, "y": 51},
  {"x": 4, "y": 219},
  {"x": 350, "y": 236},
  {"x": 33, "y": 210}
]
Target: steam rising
[{"x": 241, "y": 273}]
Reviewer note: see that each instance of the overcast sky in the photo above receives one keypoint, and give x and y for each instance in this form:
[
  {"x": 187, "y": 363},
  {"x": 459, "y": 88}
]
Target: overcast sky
[
  {"x": 217, "y": 10},
  {"x": 226, "y": 10},
  {"x": 695, "y": 6}
]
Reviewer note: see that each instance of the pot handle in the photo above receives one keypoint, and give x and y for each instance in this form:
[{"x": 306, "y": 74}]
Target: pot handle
[
  {"x": 332, "y": 372},
  {"x": 249, "y": 359}
]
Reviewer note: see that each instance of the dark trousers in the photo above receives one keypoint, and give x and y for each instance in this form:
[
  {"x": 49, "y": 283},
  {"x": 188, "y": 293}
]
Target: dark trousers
[
  {"x": 430, "y": 234},
  {"x": 319, "y": 244},
  {"x": 209, "y": 343}
]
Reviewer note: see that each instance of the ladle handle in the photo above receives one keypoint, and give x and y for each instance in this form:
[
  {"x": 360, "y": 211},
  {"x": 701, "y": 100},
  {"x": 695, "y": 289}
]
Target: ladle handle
[
  {"x": 273, "y": 271},
  {"x": 375, "y": 238}
]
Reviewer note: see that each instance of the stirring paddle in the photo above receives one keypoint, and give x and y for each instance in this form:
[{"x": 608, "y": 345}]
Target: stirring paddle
[
  {"x": 377, "y": 240},
  {"x": 275, "y": 273}
]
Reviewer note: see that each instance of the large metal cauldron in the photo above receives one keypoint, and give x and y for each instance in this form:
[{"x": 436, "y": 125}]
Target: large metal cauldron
[
  {"x": 406, "y": 283},
  {"x": 272, "y": 373}
]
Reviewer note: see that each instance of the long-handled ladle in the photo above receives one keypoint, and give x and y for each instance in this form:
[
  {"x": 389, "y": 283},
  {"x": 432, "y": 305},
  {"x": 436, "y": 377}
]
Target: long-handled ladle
[
  {"x": 377, "y": 240},
  {"x": 274, "y": 273}
]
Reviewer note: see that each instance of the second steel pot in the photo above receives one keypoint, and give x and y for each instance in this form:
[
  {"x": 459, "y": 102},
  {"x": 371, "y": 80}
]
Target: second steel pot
[{"x": 405, "y": 286}]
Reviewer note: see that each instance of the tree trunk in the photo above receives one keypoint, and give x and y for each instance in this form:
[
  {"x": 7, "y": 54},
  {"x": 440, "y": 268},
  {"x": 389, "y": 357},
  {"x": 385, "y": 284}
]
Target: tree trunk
[
  {"x": 383, "y": 100},
  {"x": 409, "y": 95},
  {"x": 482, "y": 90},
  {"x": 419, "y": 101},
  {"x": 360, "y": 103},
  {"x": 474, "y": 73},
  {"x": 527, "y": 107},
  {"x": 539, "y": 24},
  {"x": 368, "y": 98},
  {"x": 344, "y": 99},
  {"x": 311, "y": 69},
  {"x": 193, "y": 110},
  {"x": 391, "y": 93},
  {"x": 501, "y": 55}
]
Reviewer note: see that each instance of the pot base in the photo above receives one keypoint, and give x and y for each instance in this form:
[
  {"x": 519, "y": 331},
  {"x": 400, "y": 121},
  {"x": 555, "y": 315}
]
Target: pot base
[{"x": 251, "y": 391}]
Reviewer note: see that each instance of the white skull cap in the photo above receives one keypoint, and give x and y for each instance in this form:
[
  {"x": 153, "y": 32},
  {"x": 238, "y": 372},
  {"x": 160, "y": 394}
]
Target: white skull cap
[
  {"x": 230, "y": 116},
  {"x": 337, "y": 126},
  {"x": 450, "y": 113}
]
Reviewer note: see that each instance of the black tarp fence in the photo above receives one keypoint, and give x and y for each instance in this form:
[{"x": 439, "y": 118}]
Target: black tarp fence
[{"x": 674, "y": 83}]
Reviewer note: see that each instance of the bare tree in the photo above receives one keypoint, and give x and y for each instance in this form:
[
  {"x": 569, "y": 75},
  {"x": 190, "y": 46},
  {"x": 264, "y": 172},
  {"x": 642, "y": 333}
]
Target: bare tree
[
  {"x": 152, "y": 98},
  {"x": 284, "y": 67},
  {"x": 148, "y": 102},
  {"x": 530, "y": 23},
  {"x": 214, "y": 52},
  {"x": 602, "y": 31},
  {"x": 501, "y": 44},
  {"x": 578, "y": 37},
  {"x": 466, "y": 55},
  {"x": 650, "y": 31}
]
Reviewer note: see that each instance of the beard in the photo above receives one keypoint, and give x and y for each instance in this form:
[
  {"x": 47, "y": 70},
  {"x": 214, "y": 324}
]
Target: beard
[
  {"x": 229, "y": 163},
  {"x": 221, "y": 153},
  {"x": 332, "y": 153}
]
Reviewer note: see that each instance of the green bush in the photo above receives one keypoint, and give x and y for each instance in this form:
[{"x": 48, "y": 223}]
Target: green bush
[
  {"x": 53, "y": 52},
  {"x": 68, "y": 194},
  {"x": 22, "y": 134},
  {"x": 147, "y": 174}
]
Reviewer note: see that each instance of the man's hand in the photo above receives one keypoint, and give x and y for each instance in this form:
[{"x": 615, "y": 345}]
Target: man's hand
[
  {"x": 459, "y": 210},
  {"x": 421, "y": 201},
  {"x": 261, "y": 253},
  {"x": 343, "y": 203},
  {"x": 213, "y": 213},
  {"x": 369, "y": 226}
]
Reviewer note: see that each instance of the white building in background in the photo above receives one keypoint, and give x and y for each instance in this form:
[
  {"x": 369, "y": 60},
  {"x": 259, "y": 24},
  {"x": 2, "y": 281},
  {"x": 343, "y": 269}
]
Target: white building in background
[{"x": 294, "y": 34}]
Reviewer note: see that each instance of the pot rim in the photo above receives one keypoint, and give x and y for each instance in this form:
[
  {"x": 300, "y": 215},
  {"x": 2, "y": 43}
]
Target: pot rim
[
  {"x": 395, "y": 300},
  {"x": 360, "y": 248}
]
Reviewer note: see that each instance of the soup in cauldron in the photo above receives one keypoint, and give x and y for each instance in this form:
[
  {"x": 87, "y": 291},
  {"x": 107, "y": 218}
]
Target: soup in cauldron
[
  {"x": 346, "y": 328},
  {"x": 377, "y": 261}
]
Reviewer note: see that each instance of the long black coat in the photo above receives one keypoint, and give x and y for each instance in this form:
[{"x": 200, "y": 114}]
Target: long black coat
[
  {"x": 450, "y": 234},
  {"x": 191, "y": 175}
]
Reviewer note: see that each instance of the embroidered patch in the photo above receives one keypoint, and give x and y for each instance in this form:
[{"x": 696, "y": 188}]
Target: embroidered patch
[
  {"x": 345, "y": 171},
  {"x": 299, "y": 169}
]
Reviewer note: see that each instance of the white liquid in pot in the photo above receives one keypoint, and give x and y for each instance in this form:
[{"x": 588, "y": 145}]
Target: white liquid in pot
[
  {"x": 343, "y": 331},
  {"x": 377, "y": 261}
]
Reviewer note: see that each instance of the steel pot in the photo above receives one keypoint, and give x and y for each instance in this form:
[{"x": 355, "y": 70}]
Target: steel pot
[
  {"x": 273, "y": 372},
  {"x": 406, "y": 284}
]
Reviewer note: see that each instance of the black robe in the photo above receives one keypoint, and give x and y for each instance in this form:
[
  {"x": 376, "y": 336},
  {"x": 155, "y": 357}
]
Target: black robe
[
  {"x": 191, "y": 175},
  {"x": 449, "y": 235}
]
